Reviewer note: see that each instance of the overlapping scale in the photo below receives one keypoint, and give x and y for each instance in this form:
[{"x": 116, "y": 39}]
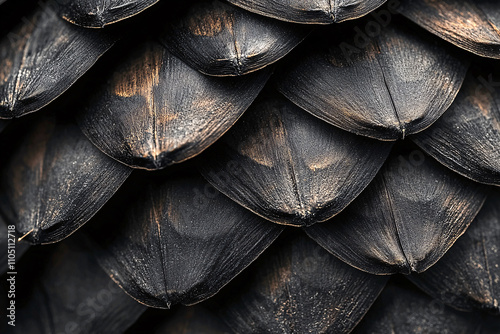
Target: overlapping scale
[
  {"x": 406, "y": 219},
  {"x": 291, "y": 167},
  {"x": 467, "y": 137},
  {"x": 298, "y": 287},
  {"x": 382, "y": 81},
  {"x": 42, "y": 57},
  {"x": 468, "y": 275},
  {"x": 152, "y": 110},
  {"x": 74, "y": 294},
  {"x": 310, "y": 11},
  {"x": 160, "y": 102},
  {"x": 404, "y": 309},
  {"x": 473, "y": 25},
  {"x": 181, "y": 242},
  {"x": 223, "y": 40},
  {"x": 56, "y": 180},
  {"x": 99, "y": 13}
]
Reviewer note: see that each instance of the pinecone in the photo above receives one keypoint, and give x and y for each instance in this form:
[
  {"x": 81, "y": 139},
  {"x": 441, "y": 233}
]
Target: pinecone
[{"x": 240, "y": 166}]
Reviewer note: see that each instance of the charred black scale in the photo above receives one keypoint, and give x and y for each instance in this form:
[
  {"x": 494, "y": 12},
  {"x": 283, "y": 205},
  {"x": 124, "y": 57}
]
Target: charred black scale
[{"x": 260, "y": 159}]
